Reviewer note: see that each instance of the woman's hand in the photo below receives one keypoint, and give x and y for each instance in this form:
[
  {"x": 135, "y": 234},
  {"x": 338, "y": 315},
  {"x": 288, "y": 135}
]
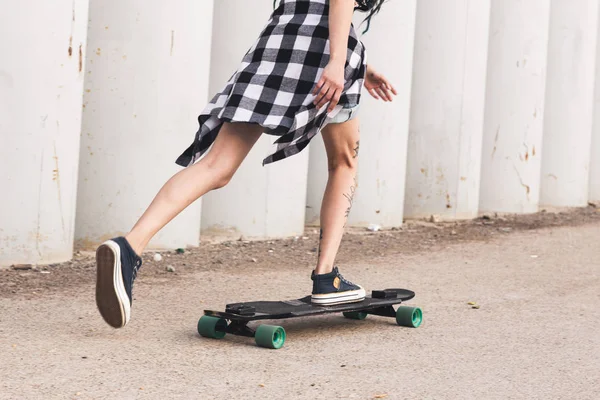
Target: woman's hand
[
  {"x": 330, "y": 86},
  {"x": 378, "y": 86}
]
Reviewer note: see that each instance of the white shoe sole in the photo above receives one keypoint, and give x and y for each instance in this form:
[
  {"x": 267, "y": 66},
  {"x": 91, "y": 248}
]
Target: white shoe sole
[
  {"x": 351, "y": 296},
  {"x": 111, "y": 296}
]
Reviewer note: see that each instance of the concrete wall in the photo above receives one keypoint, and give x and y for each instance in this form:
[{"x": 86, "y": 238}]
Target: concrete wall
[
  {"x": 384, "y": 126},
  {"x": 499, "y": 98},
  {"x": 259, "y": 202},
  {"x": 444, "y": 148},
  {"x": 514, "y": 106},
  {"x": 146, "y": 82},
  {"x": 595, "y": 148},
  {"x": 569, "y": 103},
  {"x": 42, "y": 57}
]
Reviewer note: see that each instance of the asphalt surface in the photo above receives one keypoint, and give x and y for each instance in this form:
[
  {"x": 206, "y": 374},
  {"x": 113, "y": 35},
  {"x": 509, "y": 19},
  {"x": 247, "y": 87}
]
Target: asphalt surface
[{"x": 535, "y": 335}]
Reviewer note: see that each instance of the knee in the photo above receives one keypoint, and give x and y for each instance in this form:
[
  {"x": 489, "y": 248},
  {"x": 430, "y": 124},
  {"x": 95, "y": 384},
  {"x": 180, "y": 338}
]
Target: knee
[{"x": 220, "y": 173}]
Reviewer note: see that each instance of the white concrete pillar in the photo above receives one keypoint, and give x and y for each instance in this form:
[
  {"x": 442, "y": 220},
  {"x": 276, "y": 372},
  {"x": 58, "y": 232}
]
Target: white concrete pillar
[
  {"x": 146, "y": 82},
  {"x": 384, "y": 126},
  {"x": 595, "y": 148},
  {"x": 569, "y": 103},
  {"x": 514, "y": 116},
  {"x": 446, "y": 127},
  {"x": 595, "y": 162},
  {"x": 259, "y": 202},
  {"x": 42, "y": 50}
]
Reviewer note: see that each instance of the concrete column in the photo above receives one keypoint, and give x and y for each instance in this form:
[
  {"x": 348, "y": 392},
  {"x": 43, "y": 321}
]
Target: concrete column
[
  {"x": 447, "y": 112},
  {"x": 595, "y": 163},
  {"x": 259, "y": 202},
  {"x": 384, "y": 126},
  {"x": 569, "y": 103},
  {"x": 146, "y": 82},
  {"x": 42, "y": 47},
  {"x": 595, "y": 153},
  {"x": 516, "y": 82}
]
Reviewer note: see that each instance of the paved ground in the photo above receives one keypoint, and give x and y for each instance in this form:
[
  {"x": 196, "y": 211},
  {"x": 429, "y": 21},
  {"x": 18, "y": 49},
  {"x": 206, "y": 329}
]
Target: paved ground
[{"x": 535, "y": 335}]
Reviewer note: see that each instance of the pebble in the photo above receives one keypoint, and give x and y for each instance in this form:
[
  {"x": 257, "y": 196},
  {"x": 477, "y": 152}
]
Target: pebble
[
  {"x": 157, "y": 257},
  {"x": 374, "y": 227},
  {"x": 254, "y": 260},
  {"x": 170, "y": 268}
]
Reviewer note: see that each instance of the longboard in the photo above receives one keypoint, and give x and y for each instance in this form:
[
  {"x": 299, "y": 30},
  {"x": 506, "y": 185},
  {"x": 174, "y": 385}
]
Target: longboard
[{"x": 234, "y": 320}]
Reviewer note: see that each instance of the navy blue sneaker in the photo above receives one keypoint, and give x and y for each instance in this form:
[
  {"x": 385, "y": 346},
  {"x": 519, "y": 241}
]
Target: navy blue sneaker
[
  {"x": 332, "y": 288},
  {"x": 117, "y": 266}
]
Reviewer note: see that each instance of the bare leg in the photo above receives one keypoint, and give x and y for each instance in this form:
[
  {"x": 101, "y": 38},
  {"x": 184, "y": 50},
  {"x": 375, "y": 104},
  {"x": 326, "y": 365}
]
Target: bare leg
[
  {"x": 341, "y": 144},
  {"x": 212, "y": 172}
]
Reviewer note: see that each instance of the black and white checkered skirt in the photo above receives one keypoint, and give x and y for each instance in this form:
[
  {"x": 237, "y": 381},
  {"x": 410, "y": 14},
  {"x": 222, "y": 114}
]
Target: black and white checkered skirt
[{"x": 273, "y": 84}]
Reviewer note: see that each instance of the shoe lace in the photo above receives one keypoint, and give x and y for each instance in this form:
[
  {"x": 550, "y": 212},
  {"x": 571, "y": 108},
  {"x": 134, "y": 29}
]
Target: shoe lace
[{"x": 346, "y": 281}]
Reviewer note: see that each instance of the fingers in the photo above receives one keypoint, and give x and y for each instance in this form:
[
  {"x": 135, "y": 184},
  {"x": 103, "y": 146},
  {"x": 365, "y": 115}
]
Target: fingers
[
  {"x": 334, "y": 101},
  {"x": 373, "y": 93},
  {"x": 328, "y": 92},
  {"x": 319, "y": 86},
  {"x": 382, "y": 94},
  {"x": 323, "y": 96},
  {"x": 389, "y": 86}
]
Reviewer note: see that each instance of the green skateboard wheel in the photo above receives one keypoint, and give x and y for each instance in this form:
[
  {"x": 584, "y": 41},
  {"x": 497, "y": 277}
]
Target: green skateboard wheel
[
  {"x": 360, "y": 315},
  {"x": 409, "y": 316},
  {"x": 269, "y": 336},
  {"x": 212, "y": 327}
]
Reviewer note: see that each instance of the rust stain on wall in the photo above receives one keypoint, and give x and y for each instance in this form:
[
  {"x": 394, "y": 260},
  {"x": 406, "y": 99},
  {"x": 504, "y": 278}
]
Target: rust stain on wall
[
  {"x": 80, "y": 57},
  {"x": 527, "y": 188},
  {"x": 56, "y": 177},
  {"x": 70, "y": 50},
  {"x": 39, "y": 213}
]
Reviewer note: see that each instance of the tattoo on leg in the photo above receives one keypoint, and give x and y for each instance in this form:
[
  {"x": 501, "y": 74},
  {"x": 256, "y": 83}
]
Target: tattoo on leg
[
  {"x": 350, "y": 197},
  {"x": 356, "y": 149}
]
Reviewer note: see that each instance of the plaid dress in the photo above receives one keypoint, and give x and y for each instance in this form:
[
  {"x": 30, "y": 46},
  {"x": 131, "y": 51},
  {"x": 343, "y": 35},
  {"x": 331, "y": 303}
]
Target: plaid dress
[{"x": 273, "y": 85}]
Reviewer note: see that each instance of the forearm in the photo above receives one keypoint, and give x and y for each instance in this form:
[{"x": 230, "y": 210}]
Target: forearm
[{"x": 340, "y": 18}]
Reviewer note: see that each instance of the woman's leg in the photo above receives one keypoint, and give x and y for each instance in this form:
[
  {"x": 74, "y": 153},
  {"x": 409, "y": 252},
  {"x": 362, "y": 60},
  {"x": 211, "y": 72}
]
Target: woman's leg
[
  {"x": 214, "y": 171},
  {"x": 341, "y": 144},
  {"x": 118, "y": 260}
]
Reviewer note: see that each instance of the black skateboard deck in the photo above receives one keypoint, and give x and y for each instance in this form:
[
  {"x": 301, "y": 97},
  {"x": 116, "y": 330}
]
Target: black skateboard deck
[{"x": 234, "y": 320}]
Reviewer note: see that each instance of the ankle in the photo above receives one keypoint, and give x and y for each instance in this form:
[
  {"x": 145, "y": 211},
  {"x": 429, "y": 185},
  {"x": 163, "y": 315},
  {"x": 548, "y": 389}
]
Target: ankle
[
  {"x": 323, "y": 269},
  {"x": 137, "y": 245}
]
